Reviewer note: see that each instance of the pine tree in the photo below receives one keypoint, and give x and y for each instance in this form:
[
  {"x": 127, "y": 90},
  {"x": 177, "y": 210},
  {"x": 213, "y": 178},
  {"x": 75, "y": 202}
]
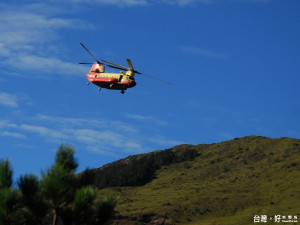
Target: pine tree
[
  {"x": 9, "y": 198},
  {"x": 58, "y": 183},
  {"x": 32, "y": 199}
]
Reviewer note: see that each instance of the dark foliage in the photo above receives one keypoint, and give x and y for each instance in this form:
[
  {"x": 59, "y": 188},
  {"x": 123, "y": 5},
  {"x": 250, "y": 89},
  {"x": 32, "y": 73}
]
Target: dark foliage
[
  {"x": 59, "y": 197},
  {"x": 5, "y": 174},
  {"x": 139, "y": 169}
]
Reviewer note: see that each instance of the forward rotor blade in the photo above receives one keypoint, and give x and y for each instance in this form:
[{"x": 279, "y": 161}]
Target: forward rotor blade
[
  {"x": 85, "y": 63},
  {"x": 155, "y": 78},
  {"x": 90, "y": 53},
  {"x": 123, "y": 67}
]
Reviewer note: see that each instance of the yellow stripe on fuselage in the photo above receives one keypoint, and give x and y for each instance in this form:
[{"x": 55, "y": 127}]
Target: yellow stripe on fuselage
[
  {"x": 113, "y": 75},
  {"x": 109, "y": 75}
]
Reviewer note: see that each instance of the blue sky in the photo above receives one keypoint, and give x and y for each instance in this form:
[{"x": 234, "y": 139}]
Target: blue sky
[{"x": 233, "y": 64}]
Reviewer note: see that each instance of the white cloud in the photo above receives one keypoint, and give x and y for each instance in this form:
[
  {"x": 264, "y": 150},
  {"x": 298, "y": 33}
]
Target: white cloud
[
  {"x": 43, "y": 131},
  {"x": 34, "y": 63},
  {"x": 148, "y": 119},
  {"x": 72, "y": 122},
  {"x": 14, "y": 100},
  {"x": 13, "y": 134},
  {"x": 98, "y": 136},
  {"x": 105, "y": 136},
  {"x": 8, "y": 100},
  {"x": 105, "y": 139},
  {"x": 3, "y": 50},
  {"x": 7, "y": 124},
  {"x": 107, "y": 2},
  {"x": 49, "y": 7},
  {"x": 27, "y": 37},
  {"x": 25, "y": 30}
]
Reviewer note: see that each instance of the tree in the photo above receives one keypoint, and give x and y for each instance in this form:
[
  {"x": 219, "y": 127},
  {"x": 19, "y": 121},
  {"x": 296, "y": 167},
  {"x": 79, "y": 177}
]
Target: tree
[
  {"x": 58, "y": 183},
  {"x": 9, "y": 198},
  {"x": 32, "y": 199},
  {"x": 105, "y": 209},
  {"x": 83, "y": 205},
  {"x": 5, "y": 174},
  {"x": 65, "y": 158}
]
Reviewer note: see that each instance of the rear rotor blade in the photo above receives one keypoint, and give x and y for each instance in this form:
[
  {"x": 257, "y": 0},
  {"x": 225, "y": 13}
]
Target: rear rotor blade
[
  {"x": 137, "y": 72},
  {"x": 130, "y": 64},
  {"x": 85, "y": 63},
  {"x": 155, "y": 78},
  {"x": 90, "y": 53}
]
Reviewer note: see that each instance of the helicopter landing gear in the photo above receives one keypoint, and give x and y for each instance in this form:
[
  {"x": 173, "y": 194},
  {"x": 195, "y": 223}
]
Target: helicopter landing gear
[
  {"x": 122, "y": 91},
  {"x": 88, "y": 83},
  {"x": 99, "y": 89}
]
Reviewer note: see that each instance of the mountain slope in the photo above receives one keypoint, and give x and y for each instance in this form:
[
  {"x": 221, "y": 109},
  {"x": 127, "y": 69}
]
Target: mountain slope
[{"x": 224, "y": 183}]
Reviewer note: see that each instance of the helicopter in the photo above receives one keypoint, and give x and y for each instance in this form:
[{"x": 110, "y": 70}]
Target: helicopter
[{"x": 115, "y": 81}]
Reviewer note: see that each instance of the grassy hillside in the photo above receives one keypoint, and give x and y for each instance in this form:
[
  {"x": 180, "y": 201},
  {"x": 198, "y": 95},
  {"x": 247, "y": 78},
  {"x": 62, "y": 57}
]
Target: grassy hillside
[{"x": 225, "y": 183}]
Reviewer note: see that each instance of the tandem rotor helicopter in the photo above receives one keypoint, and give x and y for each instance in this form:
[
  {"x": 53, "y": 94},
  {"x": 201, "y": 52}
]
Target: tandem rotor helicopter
[{"x": 115, "y": 81}]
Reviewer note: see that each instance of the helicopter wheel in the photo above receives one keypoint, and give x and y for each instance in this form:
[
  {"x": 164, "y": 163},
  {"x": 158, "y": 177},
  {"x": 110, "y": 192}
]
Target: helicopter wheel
[
  {"x": 99, "y": 89},
  {"x": 88, "y": 83},
  {"x": 122, "y": 91}
]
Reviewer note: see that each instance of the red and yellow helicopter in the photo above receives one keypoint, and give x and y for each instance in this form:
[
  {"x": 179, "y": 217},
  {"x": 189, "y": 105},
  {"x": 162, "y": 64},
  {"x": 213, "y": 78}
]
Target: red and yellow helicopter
[{"x": 115, "y": 81}]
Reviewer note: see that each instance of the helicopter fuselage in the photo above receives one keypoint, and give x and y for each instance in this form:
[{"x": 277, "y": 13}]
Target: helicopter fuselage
[{"x": 115, "y": 81}]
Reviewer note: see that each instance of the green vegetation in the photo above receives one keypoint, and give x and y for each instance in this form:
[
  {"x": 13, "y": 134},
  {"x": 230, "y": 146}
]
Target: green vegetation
[
  {"x": 225, "y": 183},
  {"x": 58, "y": 198}
]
